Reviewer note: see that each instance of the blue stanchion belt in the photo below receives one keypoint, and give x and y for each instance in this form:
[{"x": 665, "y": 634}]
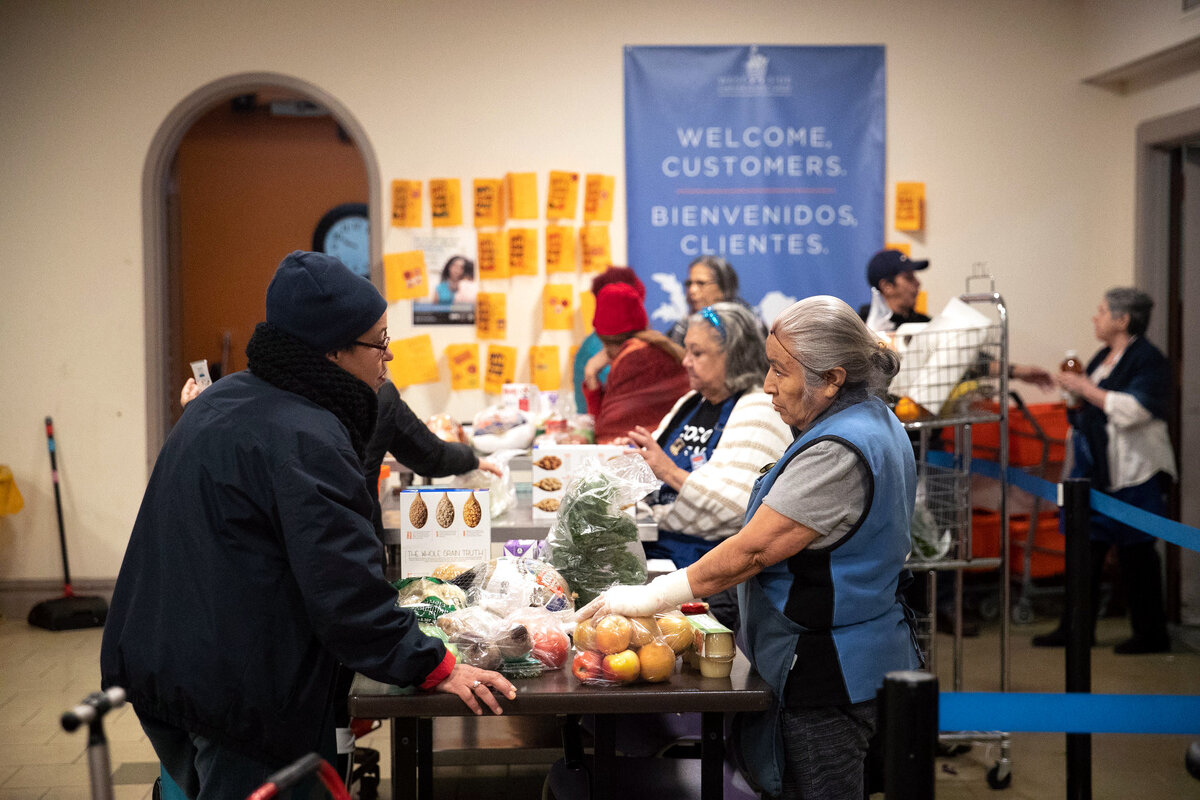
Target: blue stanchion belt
[
  {"x": 1069, "y": 713},
  {"x": 1166, "y": 529}
]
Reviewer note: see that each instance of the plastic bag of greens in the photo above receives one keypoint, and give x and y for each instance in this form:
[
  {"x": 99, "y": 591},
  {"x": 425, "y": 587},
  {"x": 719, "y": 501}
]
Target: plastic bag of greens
[
  {"x": 594, "y": 541},
  {"x": 928, "y": 544}
]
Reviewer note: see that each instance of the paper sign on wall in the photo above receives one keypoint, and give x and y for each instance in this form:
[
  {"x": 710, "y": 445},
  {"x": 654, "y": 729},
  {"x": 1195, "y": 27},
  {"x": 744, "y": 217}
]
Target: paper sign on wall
[
  {"x": 445, "y": 202},
  {"x": 598, "y": 198},
  {"x": 597, "y": 253},
  {"x": 491, "y": 315},
  {"x": 520, "y": 194},
  {"x": 563, "y": 196},
  {"x": 406, "y": 204},
  {"x": 544, "y": 367},
  {"x": 522, "y": 251},
  {"x": 501, "y": 367},
  {"x": 560, "y": 248},
  {"x": 489, "y": 199},
  {"x": 414, "y": 362},
  {"x": 492, "y": 251},
  {"x": 556, "y": 307},
  {"x": 587, "y": 309},
  {"x": 464, "y": 366},
  {"x": 903, "y": 247},
  {"x": 404, "y": 275},
  {"x": 910, "y": 206}
]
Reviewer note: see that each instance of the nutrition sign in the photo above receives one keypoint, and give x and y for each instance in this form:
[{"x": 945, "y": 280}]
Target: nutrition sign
[{"x": 769, "y": 157}]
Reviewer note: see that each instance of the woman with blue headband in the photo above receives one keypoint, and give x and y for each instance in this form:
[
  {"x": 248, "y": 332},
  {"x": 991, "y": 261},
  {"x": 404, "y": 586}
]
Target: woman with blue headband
[{"x": 709, "y": 448}]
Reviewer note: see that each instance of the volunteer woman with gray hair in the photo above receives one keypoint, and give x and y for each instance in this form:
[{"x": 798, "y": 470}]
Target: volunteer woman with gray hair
[
  {"x": 710, "y": 447},
  {"x": 819, "y": 557}
]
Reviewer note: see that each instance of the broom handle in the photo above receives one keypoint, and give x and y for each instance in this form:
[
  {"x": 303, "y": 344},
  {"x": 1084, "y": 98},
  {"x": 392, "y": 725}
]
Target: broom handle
[{"x": 62, "y": 536}]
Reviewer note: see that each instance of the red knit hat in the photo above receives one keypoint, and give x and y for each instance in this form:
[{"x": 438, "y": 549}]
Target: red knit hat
[
  {"x": 615, "y": 274},
  {"x": 619, "y": 310}
]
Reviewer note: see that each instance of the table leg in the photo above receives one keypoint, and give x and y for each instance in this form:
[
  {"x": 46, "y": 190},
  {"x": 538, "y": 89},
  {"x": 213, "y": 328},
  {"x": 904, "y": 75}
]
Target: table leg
[
  {"x": 425, "y": 758},
  {"x": 712, "y": 755},
  {"x": 404, "y": 756},
  {"x": 604, "y": 760}
]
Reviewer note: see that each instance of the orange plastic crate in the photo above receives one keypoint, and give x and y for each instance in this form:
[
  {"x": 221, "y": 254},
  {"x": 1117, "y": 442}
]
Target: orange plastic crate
[
  {"x": 1047, "y": 558},
  {"x": 1024, "y": 443}
]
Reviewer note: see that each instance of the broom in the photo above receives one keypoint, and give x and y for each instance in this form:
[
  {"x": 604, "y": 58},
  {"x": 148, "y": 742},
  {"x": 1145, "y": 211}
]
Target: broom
[{"x": 70, "y": 611}]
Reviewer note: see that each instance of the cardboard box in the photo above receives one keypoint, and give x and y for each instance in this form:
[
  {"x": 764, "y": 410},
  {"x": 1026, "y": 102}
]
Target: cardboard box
[
  {"x": 443, "y": 526},
  {"x": 551, "y": 468}
]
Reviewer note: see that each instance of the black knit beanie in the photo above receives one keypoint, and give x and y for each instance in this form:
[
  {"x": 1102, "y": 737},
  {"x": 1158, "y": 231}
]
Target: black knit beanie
[{"x": 317, "y": 299}]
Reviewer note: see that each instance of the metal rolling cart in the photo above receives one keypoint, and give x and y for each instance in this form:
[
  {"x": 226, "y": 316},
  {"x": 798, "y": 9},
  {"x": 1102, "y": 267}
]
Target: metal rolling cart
[{"x": 952, "y": 373}]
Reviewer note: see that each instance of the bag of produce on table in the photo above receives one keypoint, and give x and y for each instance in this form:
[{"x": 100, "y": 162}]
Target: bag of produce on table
[
  {"x": 615, "y": 649},
  {"x": 594, "y": 542},
  {"x": 429, "y": 598}
]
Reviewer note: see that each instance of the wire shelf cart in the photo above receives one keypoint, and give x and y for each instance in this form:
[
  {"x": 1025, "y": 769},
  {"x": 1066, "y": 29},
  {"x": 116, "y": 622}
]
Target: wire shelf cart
[{"x": 952, "y": 373}]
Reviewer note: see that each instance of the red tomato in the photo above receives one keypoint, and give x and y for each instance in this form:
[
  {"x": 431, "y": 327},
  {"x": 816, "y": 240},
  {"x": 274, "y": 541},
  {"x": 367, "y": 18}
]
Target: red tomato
[
  {"x": 550, "y": 646},
  {"x": 587, "y": 666}
]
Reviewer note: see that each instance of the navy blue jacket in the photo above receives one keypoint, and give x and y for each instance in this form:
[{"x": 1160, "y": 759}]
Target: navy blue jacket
[{"x": 252, "y": 570}]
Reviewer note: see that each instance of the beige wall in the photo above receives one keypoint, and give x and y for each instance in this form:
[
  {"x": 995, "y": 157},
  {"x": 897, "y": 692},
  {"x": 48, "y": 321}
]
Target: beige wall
[{"x": 1026, "y": 169}]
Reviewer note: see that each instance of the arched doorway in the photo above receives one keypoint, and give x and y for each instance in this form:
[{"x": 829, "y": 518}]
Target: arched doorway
[{"x": 168, "y": 292}]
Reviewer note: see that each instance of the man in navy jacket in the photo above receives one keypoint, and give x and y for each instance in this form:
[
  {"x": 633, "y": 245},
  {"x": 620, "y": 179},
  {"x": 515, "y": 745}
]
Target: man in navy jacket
[{"x": 253, "y": 568}]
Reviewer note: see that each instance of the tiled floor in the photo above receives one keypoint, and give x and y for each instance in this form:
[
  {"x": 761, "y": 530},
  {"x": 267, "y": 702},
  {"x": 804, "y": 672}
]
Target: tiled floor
[{"x": 43, "y": 673}]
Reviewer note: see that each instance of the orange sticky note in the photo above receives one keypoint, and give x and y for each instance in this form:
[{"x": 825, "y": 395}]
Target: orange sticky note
[
  {"x": 563, "y": 196},
  {"x": 556, "y": 307},
  {"x": 544, "y": 367},
  {"x": 520, "y": 194},
  {"x": 587, "y": 309},
  {"x": 910, "y": 206},
  {"x": 560, "y": 248},
  {"x": 501, "y": 367},
  {"x": 489, "y": 202},
  {"x": 491, "y": 315},
  {"x": 597, "y": 253},
  {"x": 491, "y": 247},
  {"x": 404, "y": 275},
  {"x": 413, "y": 362},
  {"x": 445, "y": 202},
  {"x": 522, "y": 251},
  {"x": 598, "y": 198},
  {"x": 464, "y": 366},
  {"x": 406, "y": 204}
]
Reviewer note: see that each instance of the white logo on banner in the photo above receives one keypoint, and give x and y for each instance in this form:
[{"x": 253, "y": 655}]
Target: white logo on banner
[
  {"x": 756, "y": 82},
  {"x": 676, "y": 306}
]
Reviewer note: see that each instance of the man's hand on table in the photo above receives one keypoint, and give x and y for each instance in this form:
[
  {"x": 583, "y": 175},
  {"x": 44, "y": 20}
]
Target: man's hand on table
[{"x": 472, "y": 684}]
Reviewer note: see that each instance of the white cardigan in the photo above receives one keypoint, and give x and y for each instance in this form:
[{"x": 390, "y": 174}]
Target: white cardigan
[{"x": 712, "y": 501}]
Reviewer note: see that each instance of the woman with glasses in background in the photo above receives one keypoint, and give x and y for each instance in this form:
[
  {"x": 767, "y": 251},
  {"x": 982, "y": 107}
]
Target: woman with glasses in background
[{"x": 710, "y": 279}]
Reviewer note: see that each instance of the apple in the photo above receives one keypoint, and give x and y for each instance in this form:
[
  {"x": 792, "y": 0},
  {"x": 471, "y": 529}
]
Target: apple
[
  {"x": 587, "y": 666},
  {"x": 657, "y": 661},
  {"x": 622, "y": 667},
  {"x": 645, "y": 630},
  {"x": 676, "y": 630},
  {"x": 613, "y": 633},
  {"x": 550, "y": 646},
  {"x": 585, "y": 635}
]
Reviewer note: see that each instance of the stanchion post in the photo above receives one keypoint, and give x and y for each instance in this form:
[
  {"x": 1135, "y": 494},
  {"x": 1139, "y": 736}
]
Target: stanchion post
[
  {"x": 909, "y": 717},
  {"x": 1078, "y": 563}
]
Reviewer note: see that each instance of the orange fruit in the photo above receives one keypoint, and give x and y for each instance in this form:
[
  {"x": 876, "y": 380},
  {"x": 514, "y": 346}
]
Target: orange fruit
[
  {"x": 613, "y": 632},
  {"x": 657, "y": 660},
  {"x": 907, "y": 410},
  {"x": 645, "y": 630},
  {"x": 676, "y": 631}
]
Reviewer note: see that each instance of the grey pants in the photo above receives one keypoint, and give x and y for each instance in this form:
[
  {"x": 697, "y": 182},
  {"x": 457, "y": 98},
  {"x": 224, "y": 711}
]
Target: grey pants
[{"x": 825, "y": 749}]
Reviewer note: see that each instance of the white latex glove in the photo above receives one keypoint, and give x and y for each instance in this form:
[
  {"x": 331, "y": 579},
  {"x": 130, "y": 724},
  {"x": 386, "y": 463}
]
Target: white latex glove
[{"x": 662, "y": 593}]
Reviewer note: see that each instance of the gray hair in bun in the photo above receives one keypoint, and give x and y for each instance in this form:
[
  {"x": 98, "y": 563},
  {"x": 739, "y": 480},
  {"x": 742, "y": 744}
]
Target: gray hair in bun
[{"x": 822, "y": 332}]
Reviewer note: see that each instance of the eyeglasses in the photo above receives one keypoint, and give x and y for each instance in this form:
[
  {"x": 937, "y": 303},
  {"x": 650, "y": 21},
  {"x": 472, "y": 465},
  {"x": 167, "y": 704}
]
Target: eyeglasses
[
  {"x": 711, "y": 318},
  {"x": 381, "y": 347},
  {"x": 689, "y": 284}
]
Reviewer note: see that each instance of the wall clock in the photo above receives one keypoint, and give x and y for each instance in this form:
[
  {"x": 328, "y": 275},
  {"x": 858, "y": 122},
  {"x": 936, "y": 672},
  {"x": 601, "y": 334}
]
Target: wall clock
[{"x": 345, "y": 233}]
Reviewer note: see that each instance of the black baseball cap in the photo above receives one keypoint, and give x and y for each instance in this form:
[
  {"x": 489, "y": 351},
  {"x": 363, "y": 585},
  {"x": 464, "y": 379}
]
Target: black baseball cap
[{"x": 890, "y": 263}]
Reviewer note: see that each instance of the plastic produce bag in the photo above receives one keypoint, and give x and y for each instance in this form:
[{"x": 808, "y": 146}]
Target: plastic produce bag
[
  {"x": 507, "y": 585},
  {"x": 500, "y": 427},
  {"x": 502, "y": 490},
  {"x": 927, "y": 543},
  {"x": 549, "y": 643},
  {"x": 429, "y": 598},
  {"x": 593, "y": 542},
  {"x": 487, "y": 640},
  {"x": 614, "y": 649}
]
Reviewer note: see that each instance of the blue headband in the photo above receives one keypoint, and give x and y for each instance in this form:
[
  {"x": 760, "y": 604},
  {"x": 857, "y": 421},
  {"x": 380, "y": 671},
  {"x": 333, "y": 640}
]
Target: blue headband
[{"x": 711, "y": 317}]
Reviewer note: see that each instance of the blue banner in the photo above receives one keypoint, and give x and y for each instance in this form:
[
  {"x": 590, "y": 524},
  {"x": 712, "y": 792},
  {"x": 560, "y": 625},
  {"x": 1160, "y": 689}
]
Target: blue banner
[{"x": 770, "y": 157}]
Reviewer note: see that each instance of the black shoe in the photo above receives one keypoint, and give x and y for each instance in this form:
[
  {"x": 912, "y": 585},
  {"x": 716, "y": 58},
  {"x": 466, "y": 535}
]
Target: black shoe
[
  {"x": 1055, "y": 638},
  {"x": 1137, "y": 645}
]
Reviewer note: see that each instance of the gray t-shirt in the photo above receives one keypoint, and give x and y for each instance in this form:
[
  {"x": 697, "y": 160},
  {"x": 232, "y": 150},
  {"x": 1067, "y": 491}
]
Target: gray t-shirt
[{"x": 824, "y": 488}]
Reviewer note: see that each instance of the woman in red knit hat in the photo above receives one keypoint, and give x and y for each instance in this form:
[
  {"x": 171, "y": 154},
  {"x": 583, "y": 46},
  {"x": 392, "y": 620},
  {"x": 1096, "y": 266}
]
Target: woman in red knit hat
[{"x": 646, "y": 375}]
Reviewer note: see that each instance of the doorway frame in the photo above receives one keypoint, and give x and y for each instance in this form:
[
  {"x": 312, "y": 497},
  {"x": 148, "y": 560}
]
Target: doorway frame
[{"x": 156, "y": 239}]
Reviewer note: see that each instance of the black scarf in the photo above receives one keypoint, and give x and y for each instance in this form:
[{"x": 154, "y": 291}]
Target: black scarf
[{"x": 287, "y": 363}]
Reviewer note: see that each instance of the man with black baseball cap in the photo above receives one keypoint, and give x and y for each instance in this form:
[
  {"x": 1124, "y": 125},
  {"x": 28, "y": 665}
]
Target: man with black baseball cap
[{"x": 894, "y": 290}]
